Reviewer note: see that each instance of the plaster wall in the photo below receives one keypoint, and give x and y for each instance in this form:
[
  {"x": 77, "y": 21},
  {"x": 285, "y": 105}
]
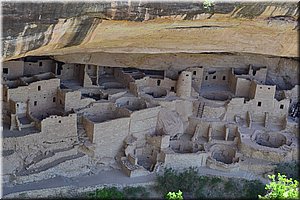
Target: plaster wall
[
  {"x": 68, "y": 72},
  {"x": 215, "y": 77},
  {"x": 63, "y": 126},
  {"x": 242, "y": 87},
  {"x": 42, "y": 66},
  {"x": 109, "y": 136},
  {"x": 74, "y": 101},
  {"x": 197, "y": 76},
  {"x": 15, "y": 69},
  {"x": 179, "y": 161},
  {"x": 40, "y": 94},
  {"x": 153, "y": 82},
  {"x": 123, "y": 77}
]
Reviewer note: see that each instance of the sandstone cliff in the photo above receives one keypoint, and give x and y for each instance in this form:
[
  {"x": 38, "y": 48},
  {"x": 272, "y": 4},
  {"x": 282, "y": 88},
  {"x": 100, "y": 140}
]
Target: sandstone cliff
[{"x": 149, "y": 28}]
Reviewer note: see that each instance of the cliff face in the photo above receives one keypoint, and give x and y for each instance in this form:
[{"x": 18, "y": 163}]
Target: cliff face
[{"x": 148, "y": 28}]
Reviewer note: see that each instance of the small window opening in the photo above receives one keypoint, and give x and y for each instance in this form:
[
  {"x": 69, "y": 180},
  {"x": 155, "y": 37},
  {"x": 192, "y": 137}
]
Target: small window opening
[
  {"x": 214, "y": 77},
  {"x": 17, "y": 105},
  {"x": 281, "y": 106},
  {"x": 40, "y": 64},
  {"x": 158, "y": 82},
  {"x": 206, "y": 77},
  {"x": 194, "y": 73},
  {"x": 59, "y": 121},
  {"x": 268, "y": 88},
  {"x": 60, "y": 101},
  {"x": 187, "y": 75},
  {"x": 54, "y": 99},
  {"x": 260, "y": 87},
  {"x": 172, "y": 89},
  {"x": 224, "y": 78},
  {"x": 39, "y": 88},
  {"x": 259, "y": 104},
  {"x": 35, "y": 103},
  {"x": 89, "y": 67},
  {"x": 5, "y": 70}
]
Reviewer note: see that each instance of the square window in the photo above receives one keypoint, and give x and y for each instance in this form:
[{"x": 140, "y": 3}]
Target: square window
[
  {"x": 172, "y": 89},
  {"x": 214, "y": 77},
  {"x": 281, "y": 106},
  {"x": 5, "y": 70},
  {"x": 259, "y": 104},
  {"x": 224, "y": 78}
]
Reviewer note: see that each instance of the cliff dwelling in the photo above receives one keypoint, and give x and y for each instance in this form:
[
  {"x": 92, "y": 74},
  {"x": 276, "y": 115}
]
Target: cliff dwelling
[{"x": 83, "y": 104}]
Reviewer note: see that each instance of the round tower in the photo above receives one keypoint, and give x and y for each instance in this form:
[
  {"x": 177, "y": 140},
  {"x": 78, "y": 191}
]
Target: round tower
[{"x": 184, "y": 84}]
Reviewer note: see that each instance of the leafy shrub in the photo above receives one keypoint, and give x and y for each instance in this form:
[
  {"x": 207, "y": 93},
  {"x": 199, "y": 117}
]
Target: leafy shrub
[
  {"x": 174, "y": 195},
  {"x": 282, "y": 188},
  {"x": 107, "y": 193},
  {"x": 195, "y": 186}
]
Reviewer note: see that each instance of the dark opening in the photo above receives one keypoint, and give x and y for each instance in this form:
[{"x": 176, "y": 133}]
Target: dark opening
[
  {"x": 214, "y": 77},
  {"x": 40, "y": 64},
  {"x": 35, "y": 103},
  {"x": 211, "y": 72},
  {"x": 172, "y": 89},
  {"x": 259, "y": 103},
  {"x": 5, "y": 70},
  {"x": 54, "y": 99},
  {"x": 206, "y": 77},
  {"x": 89, "y": 67},
  {"x": 224, "y": 78},
  {"x": 281, "y": 106},
  {"x": 186, "y": 75},
  {"x": 158, "y": 82},
  {"x": 59, "y": 121},
  {"x": 39, "y": 88},
  {"x": 254, "y": 72},
  {"x": 194, "y": 73},
  {"x": 59, "y": 68},
  {"x": 60, "y": 101},
  {"x": 268, "y": 88}
]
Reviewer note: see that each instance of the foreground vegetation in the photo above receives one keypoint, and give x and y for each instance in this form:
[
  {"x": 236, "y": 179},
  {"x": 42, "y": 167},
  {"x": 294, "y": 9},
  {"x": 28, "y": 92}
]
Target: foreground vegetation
[
  {"x": 115, "y": 193},
  {"x": 187, "y": 184},
  {"x": 195, "y": 186}
]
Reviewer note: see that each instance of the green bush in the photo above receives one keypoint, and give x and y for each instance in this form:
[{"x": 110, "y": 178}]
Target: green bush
[
  {"x": 174, "y": 195},
  {"x": 282, "y": 188},
  {"x": 107, "y": 193},
  {"x": 198, "y": 187}
]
